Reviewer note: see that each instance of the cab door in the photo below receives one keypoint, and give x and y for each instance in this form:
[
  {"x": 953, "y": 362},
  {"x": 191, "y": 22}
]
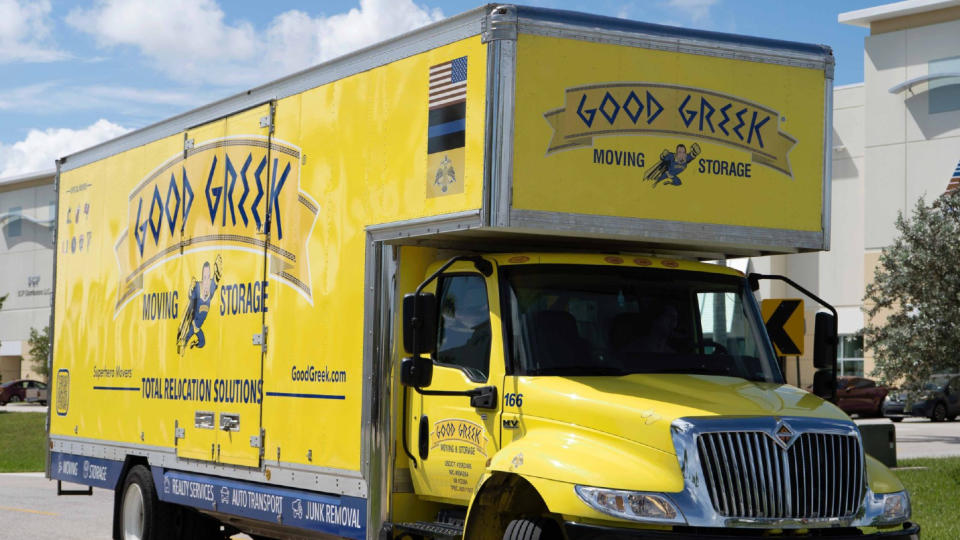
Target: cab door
[{"x": 450, "y": 438}]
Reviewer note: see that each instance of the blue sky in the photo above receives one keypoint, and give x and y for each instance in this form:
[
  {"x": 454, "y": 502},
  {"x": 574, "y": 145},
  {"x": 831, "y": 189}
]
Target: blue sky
[{"x": 75, "y": 73}]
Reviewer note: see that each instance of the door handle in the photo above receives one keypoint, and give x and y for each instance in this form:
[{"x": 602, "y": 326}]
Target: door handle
[
  {"x": 484, "y": 397},
  {"x": 230, "y": 422},
  {"x": 424, "y": 437}
]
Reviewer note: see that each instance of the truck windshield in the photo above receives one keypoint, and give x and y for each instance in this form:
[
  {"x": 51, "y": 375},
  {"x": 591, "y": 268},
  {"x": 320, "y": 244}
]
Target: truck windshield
[{"x": 602, "y": 320}]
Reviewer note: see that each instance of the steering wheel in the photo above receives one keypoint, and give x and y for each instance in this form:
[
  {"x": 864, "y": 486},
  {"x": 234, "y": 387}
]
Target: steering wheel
[{"x": 717, "y": 348}]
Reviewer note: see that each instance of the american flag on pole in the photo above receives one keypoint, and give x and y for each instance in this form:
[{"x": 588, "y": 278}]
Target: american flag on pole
[
  {"x": 446, "y": 127},
  {"x": 955, "y": 180}
]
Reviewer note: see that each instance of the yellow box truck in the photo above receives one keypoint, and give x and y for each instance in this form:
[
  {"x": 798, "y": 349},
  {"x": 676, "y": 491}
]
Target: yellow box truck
[{"x": 451, "y": 286}]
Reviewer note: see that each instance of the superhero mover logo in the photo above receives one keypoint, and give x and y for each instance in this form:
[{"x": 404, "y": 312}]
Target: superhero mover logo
[{"x": 198, "y": 307}]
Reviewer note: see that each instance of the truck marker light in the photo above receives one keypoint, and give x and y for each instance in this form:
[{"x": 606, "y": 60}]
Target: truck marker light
[
  {"x": 670, "y": 264},
  {"x": 642, "y": 262},
  {"x": 519, "y": 259},
  {"x": 614, "y": 260}
]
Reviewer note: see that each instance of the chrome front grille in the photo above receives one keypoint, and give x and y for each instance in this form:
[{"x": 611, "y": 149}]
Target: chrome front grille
[{"x": 750, "y": 475}]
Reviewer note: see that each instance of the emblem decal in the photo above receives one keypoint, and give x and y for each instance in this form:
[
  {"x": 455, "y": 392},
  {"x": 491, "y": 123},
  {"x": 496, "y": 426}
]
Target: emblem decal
[{"x": 784, "y": 435}]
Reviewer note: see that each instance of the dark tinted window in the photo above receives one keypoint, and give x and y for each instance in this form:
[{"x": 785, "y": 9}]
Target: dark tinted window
[
  {"x": 567, "y": 320},
  {"x": 463, "y": 338}
]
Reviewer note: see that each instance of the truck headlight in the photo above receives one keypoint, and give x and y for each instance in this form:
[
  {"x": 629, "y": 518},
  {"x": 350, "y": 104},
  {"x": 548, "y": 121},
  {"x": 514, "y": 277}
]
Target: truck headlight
[
  {"x": 632, "y": 505},
  {"x": 896, "y": 508}
]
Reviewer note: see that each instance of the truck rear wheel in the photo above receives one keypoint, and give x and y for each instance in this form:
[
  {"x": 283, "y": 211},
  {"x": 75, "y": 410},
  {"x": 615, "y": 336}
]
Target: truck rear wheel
[
  {"x": 532, "y": 529},
  {"x": 142, "y": 515}
]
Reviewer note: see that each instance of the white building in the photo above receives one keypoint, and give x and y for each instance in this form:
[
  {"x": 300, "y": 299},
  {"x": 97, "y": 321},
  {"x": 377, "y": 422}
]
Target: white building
[
  {"x": 896, "y": 139},
  {"x": 26, "y": 267}
]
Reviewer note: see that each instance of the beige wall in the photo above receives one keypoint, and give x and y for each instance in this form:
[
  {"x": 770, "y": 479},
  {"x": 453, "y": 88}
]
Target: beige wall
[
  {"x": 26, "y": 269},
  {"x": 910, "y": 153},
  {"x": 888, "y": 152}
]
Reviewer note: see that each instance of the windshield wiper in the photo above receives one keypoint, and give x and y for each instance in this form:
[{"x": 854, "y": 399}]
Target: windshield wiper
[
  {"x": 694, "y": 371},
  {"x": 580, "y": 370}
]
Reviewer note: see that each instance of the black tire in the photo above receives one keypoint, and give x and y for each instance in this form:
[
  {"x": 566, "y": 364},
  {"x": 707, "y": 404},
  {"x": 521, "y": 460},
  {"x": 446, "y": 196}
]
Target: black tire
[
  {"x": 939, "y": 413},
  {"x": 141, "y": 515},
  {"x": 896, "y": 418},
  {"x": 951, "y": 418},
  {"x": 533, "y": 529}
]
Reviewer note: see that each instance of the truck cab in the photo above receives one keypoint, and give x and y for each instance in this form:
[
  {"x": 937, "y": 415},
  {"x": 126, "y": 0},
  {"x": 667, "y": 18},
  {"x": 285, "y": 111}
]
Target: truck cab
[{"x": 619, "y": 394}]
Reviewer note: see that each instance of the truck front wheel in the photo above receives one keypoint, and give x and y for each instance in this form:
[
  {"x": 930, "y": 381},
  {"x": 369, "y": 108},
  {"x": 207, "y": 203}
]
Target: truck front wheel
[
  {"x": 142, "y": 515},
  {"x": 532, "y": 529}
]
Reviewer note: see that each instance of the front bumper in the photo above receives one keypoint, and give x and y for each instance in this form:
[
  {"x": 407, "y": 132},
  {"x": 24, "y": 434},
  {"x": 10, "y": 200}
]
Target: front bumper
[{"x": 580, "y": 531}]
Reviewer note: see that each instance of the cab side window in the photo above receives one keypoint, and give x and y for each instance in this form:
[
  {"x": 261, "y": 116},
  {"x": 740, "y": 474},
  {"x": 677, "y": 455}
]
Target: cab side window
[{"x": 463, "y": 336}]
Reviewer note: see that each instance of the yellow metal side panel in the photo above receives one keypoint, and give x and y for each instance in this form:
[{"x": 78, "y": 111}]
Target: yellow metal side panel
[
  {"x": 101, "y": 354},
  {"x": 599, "y": 127},
  {"x": 364, "y": 143},
  {"x": 156, "y": 312}
]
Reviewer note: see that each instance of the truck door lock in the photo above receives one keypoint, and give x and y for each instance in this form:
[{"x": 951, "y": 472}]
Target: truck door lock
[{"x": 230, "y": 422}]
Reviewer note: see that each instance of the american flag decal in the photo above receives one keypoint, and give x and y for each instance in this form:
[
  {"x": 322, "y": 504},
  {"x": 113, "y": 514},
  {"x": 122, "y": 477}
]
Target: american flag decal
[
  {"x": 448, "y": 105},
  {"x": 954, "y": 180}
]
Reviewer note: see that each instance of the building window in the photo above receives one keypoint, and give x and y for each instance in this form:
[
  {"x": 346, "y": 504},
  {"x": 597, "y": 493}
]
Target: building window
[
  {"x": 944, "y": 93},
  {"x": 15, "y": 225},
  {"x": 850, "y": 356}
]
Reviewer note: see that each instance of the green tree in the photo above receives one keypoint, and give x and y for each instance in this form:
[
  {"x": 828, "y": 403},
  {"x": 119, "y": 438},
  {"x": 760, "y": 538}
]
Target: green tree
[
  {"x": 40, "y": 349},
  {"x": 913, "y": 304}
]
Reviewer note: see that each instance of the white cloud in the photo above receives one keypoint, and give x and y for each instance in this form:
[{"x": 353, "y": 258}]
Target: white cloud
[
  {"x": 25, "y": 32},
  {"x": 40, "y": 148},
  {"x": 192, "y": 40},
  {"x": 142, "y": 105}
]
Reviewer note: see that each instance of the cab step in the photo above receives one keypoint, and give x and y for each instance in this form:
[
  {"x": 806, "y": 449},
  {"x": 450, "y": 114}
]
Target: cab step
[{"x": 436, "y": 530}]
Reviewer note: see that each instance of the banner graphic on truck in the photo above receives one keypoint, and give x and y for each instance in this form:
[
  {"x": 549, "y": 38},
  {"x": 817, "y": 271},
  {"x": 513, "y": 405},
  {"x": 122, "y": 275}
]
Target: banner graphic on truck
[
  {"x": 639, "y": 108},
  {"x": 343, "y": 516},
  {"x": 447, "y": 127},
  {"x": 218, "y": 196}
]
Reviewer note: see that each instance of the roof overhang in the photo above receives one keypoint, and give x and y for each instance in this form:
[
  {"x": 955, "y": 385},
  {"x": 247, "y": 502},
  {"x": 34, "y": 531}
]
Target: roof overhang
[
  {"x": 864, "y": 17},
  {"x": 28, "y": 177}
]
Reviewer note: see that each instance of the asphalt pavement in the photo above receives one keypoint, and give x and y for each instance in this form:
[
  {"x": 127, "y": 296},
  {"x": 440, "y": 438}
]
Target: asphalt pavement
[{"x": 30, "y": 508}]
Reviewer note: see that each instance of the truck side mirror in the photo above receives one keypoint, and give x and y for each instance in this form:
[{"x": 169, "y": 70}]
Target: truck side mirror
[
  {"x": 416, "y": 371},
  {"x": 825, "y": 341},
  {"x": 825, "y": 356},
  {"x": 825, "y": 384},
  {"x": 420, "y": 330}
]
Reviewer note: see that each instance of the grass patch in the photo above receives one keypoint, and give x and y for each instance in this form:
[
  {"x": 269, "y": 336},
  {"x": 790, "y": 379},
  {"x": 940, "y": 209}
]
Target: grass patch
[
  {"x": 23, "y": 437},
  {"x": 934, "y": 494}
]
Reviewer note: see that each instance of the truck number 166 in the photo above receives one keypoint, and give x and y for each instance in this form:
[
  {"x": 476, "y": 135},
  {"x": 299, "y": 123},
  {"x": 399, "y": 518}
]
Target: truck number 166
[{"x": 513, "y": 400}]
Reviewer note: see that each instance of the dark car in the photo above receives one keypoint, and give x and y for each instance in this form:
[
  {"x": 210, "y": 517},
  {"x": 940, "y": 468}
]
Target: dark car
[
  {"x": 23, "y": 390},
  {"x": 861, "y": 396},
  {"x": 938, "y": 400}
]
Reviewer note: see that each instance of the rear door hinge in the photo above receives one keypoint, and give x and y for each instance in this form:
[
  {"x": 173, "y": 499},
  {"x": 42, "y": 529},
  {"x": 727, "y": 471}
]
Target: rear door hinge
[
  {"x": 256, "y": 441},
  {"x": 261, "y": 339}
]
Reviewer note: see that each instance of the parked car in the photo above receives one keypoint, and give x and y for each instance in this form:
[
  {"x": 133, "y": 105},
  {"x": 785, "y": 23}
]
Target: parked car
[
  {"x": 938, "y": 400},
  {"x": 857, "y": 395},
  {"x": 23, "y": 390}
]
